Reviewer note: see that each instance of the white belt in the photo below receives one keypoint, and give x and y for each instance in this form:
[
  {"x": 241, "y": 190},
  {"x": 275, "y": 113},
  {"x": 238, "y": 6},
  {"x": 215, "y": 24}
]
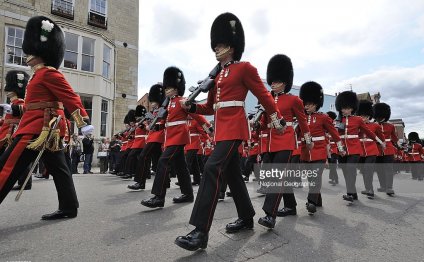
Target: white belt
[
  {"x": 316, "y": 138},
  {"x": 263, "y": 135},
  {"x": 175, "y": 123},
  {"x": 366, "y": 140},
  {"x": 194, "y": 134},
  {"x": 223, "y": 104},
  {"x": 387, "y": 140},
  {"x": 138, "y": 136},
  {"x": 255, "y": 144},
  {"x": 332, "y": 143},
  {"x": 287, "y": 124},
  {"x": 414, "y": 153},
  {"x": 124, "y": 142},
  {"x": 349, "y": 136}
]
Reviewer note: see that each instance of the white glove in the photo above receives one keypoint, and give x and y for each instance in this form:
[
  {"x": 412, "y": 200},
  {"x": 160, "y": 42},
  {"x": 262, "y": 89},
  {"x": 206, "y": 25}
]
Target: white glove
[
  {"x": 7, "y": 109},
  {"x": 87, "y": 130}
]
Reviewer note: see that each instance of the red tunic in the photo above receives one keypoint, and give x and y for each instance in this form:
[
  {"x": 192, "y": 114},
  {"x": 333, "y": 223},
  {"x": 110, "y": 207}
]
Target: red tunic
[
  {"x": 319, "y": 125},
  {"x": 369, "y": 146},
  {"x": 10, "y": 122},
  {"x": 390, "y": 138},
  {"x": 416, "y": 152},
  {"x": 290, "y": 107},
  {"x": 48, "y": 85},
  {"x": 232, "y": 84},
  {"x": 196, "y": 131},
  {"x": 350, "y": 135},
  {"x": 139, "y": 137}
]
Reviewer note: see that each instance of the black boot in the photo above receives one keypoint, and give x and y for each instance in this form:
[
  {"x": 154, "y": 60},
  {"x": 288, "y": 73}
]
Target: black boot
[
  {"x": 194, "y": 240},
  {"x": 267, "y": 221},
  {"x": 311, "y": 208},
  {"x": 183, "y": 198},
  {"x": 239, "y": 224},
  {"x": 285, "y": 211},
  {"x": 59, "y": 214},
  {"x": 137, "y": 186},
  {"x": 153, "y": 202},
  {"x": 18, "y": 187}
]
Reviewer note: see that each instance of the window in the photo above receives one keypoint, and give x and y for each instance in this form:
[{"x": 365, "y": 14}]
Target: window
[
  {"x": 64, "y": 8},
  {"x": 97, "y": 14},
  {"x": 103, "y": 117},
  {"x": 87, "y": 102},
  {"x": 106, "y": 61},
  {"x": 71, "y": 53},
  {"x": 87, "y": 54},
  {"x": 14, "y": 53}
]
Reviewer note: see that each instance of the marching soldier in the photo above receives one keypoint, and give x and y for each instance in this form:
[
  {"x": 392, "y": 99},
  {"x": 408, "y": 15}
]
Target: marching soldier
[
  {"x": 369, "y": 147},
  {"x": 319, "y": 124},
  {"x": 281, "y": 144},
  {"x": 415, "y": 153},
  {"x": 16, "y": 82},
  {"x": 349, "y": 127},
  {"x": 385, "y": 171},
  {"x": 226, "y": 102},
  {"x": 46, "y": 96}
]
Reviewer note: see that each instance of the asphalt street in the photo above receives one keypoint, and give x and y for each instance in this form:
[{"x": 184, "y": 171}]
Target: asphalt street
[{"x": 113, "y": 226}]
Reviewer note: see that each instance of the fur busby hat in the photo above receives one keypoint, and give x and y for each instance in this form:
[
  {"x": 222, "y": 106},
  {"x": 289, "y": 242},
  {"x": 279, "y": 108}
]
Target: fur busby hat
[
  {"x": 16, "y": 81},
  {"x": 332, "y": 114},
  {"x": 131, "y": 116},
  {"x": 156, "y": 94},
  {"x": 227, "y": 29},
  {"x": 311, "y": 92},
  {"x": 413, "y": 137},
  {"x": 382, "y": 112},
  {"x": 45, "y": 39},
  {"x": 280, "y": 69},
  {"x": 140, "y": 111},
  {"x": 365, "y": 109},
  {"x": 347, "y": 99},
  {"x": 174, "y": 77},
  {"x": 126, "y": 119}
]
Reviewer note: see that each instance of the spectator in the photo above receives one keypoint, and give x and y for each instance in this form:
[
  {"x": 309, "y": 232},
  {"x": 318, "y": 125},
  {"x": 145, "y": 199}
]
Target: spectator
[
  {"x": 102, "y": 155},
  {"x": 114, "y": 149},
  {"x": 76, "y": 153},
  {"x": 88, "y": 150}
]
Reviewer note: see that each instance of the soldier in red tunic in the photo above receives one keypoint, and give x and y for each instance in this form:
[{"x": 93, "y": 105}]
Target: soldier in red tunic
[
  {"x": 226, "y": 102},
  {"x": 281, "y": 144},
  {"x": 385, "y": 160},
  {"x": 16, "y": 82},
  {"x": 319, "y": 124},
  {"x": 369, "y": 147},
  {"x": 47, "y": 94},
  {"x": 349, "y": 127},
  {"x": 415, "y": 153}
]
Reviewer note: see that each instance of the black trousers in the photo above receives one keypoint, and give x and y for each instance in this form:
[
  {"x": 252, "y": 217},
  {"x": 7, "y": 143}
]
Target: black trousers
[
  {"x": 314, "y": 180},
  {"x": 295, "y": 161},
  {"x": 193, "y": 165},
  {"x": 120, "y": 165},
  {"x": 144, "y": 160},
  {"x": 367, "y": 169},
  {"x": 385, "y": 171},
  {"x": 131, "y": 161},
  {"x": 349, "y": 172},
  {"x": 333, "y": 167},
  {"x": 223, "y": 160},
  {"x": 249, "y": 164},
  {"x": 272, "y": 200},
  {"x": 113, "y": 160},
  {"x": 415, "y": 170},
  {"x": 16, "y": 159},
  {"x": 172, "y": 156}
]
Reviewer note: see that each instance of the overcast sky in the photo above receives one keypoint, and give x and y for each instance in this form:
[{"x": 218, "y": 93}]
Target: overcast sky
[{"x": 371, "y": 45}]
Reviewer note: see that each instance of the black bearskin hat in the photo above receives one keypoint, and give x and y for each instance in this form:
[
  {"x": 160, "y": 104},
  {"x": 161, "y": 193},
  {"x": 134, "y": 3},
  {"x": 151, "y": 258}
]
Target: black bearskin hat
[
  {"x": 16, "y": 81},
  {"x": 347, "y": 99},
  {"x": 413, "y": 137},
  {"x": 140, "y": 111},
  {"x": 311, "y": 92},
  {"x": 365, "y": 109},
  {"x": 131, "y": 116},
  {"x": 280, "y": 69},
  {"x": 156, "y": 94},
  {"x": 227, "y": 29},
  {"x": 332, "y": 114},
  {"x": 45, "y": 39},
  {"x": 126, "y": 119},
  {"x": 174, "y": 77},
  {"x": 382, "y": 112}
]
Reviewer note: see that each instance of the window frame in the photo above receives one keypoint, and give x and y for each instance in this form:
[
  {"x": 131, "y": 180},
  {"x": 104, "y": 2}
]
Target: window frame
[{"x": 6, "y": 46}]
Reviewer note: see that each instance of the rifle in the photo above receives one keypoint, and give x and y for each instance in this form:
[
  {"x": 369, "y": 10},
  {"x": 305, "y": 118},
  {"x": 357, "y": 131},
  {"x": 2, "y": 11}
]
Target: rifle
[
  {"x": 145, "y": 117},
  {"x": 35, "y": 163},
  {"x": 161, "y": 113},
  {"x": 203, "y": 85},
  {"x": 259, "y": 111}
]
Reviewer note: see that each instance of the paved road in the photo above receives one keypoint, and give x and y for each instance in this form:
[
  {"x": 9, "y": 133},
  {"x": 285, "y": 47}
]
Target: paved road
[{"x": 113, "y": 226}]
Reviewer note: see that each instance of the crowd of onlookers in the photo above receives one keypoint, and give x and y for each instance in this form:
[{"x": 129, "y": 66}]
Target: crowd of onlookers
[{"x": 82, "y": 150}]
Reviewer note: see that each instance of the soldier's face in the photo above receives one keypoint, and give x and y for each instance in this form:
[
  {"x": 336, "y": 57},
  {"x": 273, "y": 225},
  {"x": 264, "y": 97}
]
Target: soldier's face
[
  {"x": 223, "y": 52},
  {"x": 365, "y": 118},
  {"x": 154, "y": 105},
  {"x": 277, "y": 87},
  {"x": 310, "y": 108},
  {"x": 347, "y": 111},
  {"x": 170, "y": 92}
]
